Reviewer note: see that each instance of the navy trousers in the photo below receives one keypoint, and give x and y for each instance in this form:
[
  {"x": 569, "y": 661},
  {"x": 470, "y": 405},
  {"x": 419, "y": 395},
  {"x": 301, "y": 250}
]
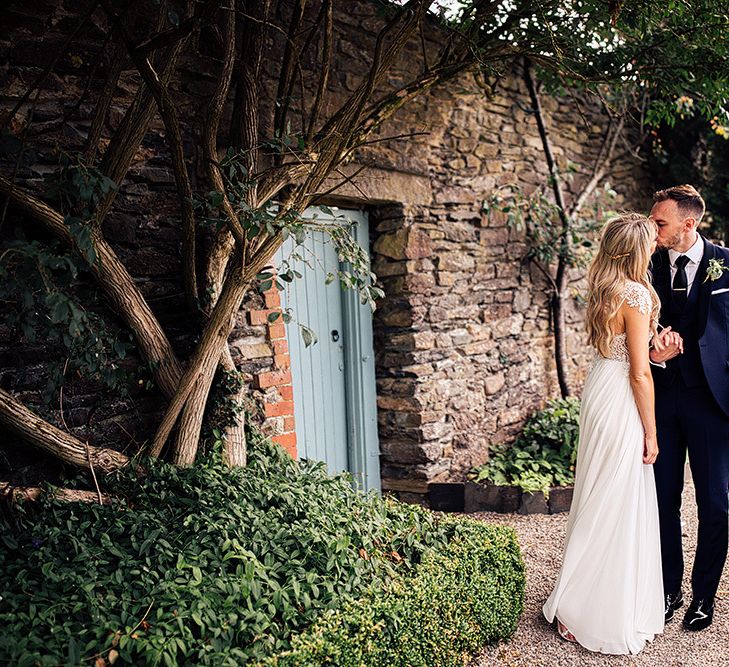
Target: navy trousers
[{"x": 689, "y": 420}]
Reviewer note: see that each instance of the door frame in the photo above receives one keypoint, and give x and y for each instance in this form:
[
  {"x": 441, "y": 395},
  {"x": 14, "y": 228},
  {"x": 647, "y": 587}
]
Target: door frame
[{"x": 363, "y": 445}]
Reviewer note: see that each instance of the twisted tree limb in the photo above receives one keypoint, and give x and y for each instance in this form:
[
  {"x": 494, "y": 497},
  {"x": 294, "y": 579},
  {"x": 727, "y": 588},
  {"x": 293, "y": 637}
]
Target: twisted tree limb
[
  {"x": 104, "y": 104},
  {"x": 207, "y": 354},
  {"x": 560, "y": 281},
  {"x": 188, "y": 432},
  {"x": 567, "y": 215},
  {"x": 34, "y": 493},
  {"x": 171, "y": 121},
  {"x": 32, "y": 429},
  {"x": 126, "y": 139}
]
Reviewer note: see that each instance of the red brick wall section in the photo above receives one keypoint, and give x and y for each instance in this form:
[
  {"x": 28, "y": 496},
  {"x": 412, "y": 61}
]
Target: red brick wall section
[{"x": 276, "y": 383}]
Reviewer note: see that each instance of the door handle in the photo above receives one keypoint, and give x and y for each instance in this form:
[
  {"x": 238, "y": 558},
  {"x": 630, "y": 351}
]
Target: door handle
[{"x": 335, "y": 335}]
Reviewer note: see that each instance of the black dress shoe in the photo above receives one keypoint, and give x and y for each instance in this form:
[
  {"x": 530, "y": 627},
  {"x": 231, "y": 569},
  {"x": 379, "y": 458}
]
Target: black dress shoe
[
  {"x": 699, "y": 615},
  {"x": 673, "y": 601}
]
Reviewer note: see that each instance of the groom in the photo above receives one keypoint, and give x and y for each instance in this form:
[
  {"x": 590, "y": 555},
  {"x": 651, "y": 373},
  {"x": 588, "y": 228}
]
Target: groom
[{"x": 691, "y": 277}]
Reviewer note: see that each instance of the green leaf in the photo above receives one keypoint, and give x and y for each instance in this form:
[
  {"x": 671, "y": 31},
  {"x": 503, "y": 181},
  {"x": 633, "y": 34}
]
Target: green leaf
[
  {"x": 216, "y": 198},
  {"x": 308, "y": 336}
]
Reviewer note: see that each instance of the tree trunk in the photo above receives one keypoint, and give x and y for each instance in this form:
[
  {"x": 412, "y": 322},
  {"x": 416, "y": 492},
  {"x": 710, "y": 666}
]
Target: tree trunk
[
  {"x": 557, "y": 301},
  {"x": 560, "y": 339},
  {"x": 215, "y": 336},
  {"x": 235, "y": 450},
  {"x": 208, "y": 352},
  {"x": 39, "y": 433},
  {"x": 235, "y": 438},
  {"x": 188, "y": 433}
]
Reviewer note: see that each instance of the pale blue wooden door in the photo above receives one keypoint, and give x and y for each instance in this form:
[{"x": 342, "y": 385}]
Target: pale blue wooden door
[
  {"x": 318, "y": 370},
  {"x": 333, "y": 378}
]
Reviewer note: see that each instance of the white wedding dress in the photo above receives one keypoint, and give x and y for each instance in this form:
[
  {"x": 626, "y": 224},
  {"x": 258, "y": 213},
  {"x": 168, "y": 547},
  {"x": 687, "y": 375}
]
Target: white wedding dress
[{"x": 609, "y": 592}]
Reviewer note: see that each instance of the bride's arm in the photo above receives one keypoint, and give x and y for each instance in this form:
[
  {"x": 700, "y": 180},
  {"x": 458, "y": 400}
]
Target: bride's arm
[{"x": 637, "y": 332}]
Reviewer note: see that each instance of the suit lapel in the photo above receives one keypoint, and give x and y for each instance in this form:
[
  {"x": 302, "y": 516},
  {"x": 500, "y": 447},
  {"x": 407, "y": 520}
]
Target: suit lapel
[
  {"x": 704, "y": 285},
  {"x": 660, "y": 268}
]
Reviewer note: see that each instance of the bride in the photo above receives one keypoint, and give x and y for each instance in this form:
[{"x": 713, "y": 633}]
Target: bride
[{"x": 609, "y": 594}]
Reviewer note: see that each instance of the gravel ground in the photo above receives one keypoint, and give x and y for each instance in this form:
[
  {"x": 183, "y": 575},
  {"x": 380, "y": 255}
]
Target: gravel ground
[{"x": 536, "y": 643}]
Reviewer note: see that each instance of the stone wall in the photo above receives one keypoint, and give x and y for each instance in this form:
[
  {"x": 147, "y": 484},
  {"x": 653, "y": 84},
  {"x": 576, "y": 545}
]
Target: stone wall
[
  {"x": 465, "y": 347},
  {"x": 462, "y": 337}
]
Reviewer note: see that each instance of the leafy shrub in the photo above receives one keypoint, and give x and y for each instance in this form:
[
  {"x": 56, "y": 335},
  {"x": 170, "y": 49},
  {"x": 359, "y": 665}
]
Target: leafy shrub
[
  {"x": 469, "y": 594},
  {"x": 198, "y": 566},
  {"x": 544, "y": 453}
]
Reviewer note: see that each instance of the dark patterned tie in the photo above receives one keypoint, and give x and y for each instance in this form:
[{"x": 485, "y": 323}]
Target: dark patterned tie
[{"x": 680, "y": 281}]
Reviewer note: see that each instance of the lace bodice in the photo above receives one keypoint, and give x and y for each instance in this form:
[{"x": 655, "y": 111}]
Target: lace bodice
[
  {"x": 636, "y": 296},
  {"x": 619, "y": 348}
]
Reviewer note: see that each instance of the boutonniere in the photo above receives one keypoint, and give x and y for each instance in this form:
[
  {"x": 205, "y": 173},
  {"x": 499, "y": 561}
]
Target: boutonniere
[{"x": 715, "y": 269}]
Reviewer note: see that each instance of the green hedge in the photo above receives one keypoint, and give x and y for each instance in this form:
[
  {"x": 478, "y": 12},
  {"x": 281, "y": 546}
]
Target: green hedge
[
  {"x": 461, "y": 598},
  {"x": 212, "y": 566}
]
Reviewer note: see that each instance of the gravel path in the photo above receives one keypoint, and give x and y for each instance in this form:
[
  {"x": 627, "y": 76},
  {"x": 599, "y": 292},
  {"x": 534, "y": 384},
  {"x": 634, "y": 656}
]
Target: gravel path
[{"x": 536, "y": 644}]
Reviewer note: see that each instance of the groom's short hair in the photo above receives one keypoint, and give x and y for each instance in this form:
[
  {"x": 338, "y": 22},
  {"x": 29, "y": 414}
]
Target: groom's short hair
[{"x": 687, "y": 198}]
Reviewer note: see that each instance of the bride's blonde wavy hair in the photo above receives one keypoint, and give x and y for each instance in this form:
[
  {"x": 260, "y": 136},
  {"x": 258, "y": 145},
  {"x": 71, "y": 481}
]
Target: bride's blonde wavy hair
[{"x": 624, "y": 254}]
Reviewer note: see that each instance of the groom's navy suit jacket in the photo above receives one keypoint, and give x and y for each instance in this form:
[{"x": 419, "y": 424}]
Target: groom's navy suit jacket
[
  {"x": 705, "y": 327},
  {"x": 689, "y": 420}
]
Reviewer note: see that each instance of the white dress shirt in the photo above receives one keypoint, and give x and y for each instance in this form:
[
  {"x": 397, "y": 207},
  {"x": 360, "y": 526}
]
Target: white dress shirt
[{"x": 694, "y": 253}]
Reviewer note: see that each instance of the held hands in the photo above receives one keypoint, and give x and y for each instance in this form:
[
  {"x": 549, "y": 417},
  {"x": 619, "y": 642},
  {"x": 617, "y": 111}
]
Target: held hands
[
  {"x": 650, "y": 449},
  {"x": 666, "y": 345}
]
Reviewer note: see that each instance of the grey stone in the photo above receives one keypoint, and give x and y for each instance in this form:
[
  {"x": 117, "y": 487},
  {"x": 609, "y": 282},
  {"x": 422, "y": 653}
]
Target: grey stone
[
  {"x": 455, "y": 261},
  {"x": 404, "y": 244},
  {"x": 490, "y": 498},
  {"x": 533, "y": 503},
  {"x": 560, "y": 499},
  {"x": 494, "y": 383},
  {"x": 408, "y": 452}
]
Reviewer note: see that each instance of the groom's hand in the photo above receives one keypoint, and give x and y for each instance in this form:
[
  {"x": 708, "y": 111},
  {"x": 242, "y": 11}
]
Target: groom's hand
[{"x": 667, "y": 345}]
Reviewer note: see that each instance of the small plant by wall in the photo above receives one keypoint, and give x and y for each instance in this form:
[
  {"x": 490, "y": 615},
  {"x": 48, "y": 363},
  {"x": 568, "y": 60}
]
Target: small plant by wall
[{"x": 542, "y": 456}]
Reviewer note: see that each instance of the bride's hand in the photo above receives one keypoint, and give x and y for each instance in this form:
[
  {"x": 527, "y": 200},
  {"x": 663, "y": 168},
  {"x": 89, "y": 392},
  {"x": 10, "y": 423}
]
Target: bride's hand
[
  {"x": 661, "y": 340},
  {"x": 650, "y": 449},
  {"x": 667, "y": 345}
]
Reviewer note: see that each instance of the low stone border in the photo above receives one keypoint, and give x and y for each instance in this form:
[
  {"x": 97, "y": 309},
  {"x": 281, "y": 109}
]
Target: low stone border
[
  {"x": 474, "y": 497},
  {"x": 492, "y": 498}
]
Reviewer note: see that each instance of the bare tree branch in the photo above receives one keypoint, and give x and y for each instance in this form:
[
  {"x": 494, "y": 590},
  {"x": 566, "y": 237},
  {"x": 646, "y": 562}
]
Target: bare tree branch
[
  {"x": 39, "y": 433},
  {"x": 174, "y": 136},
  {"x": 104, "y": 104},
  {"x": 210, "y": 138},
  {"x": 292, "y": 53},
  {"x": 556, "y": 184},
  {"x": 326, "y": 61}
]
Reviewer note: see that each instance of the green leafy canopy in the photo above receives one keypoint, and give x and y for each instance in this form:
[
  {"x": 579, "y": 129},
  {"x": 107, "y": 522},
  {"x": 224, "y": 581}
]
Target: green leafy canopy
[{"x": 673, "y": 49}]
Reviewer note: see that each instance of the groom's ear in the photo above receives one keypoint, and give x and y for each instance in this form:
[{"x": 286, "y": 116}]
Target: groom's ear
[{"x": 690, "y": 223}]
